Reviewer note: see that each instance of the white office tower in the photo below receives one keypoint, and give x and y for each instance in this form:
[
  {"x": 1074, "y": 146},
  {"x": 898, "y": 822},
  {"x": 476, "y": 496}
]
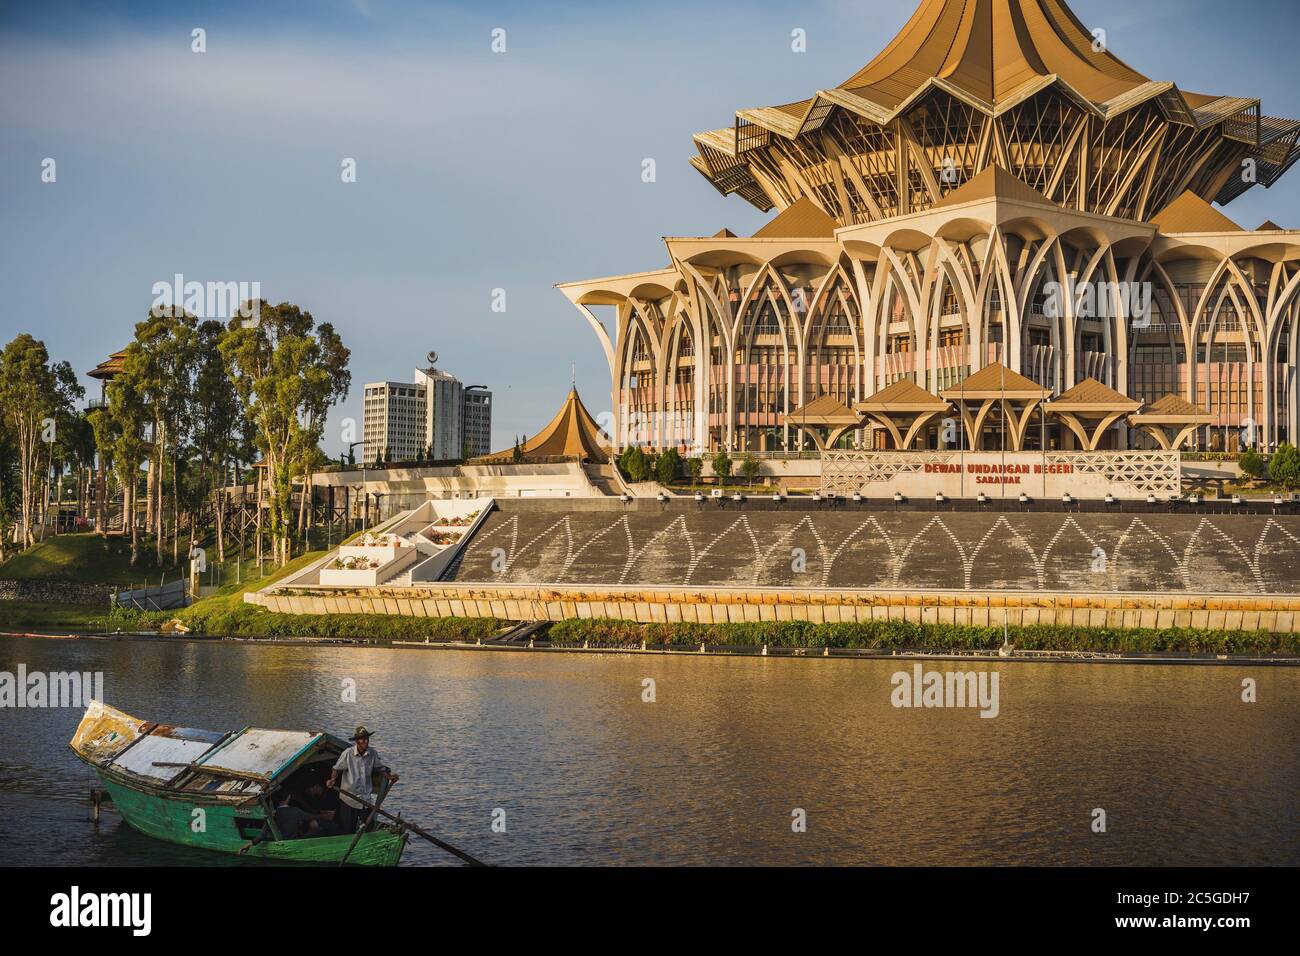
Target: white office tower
[
  {"x": 443, "y": 410},
  {"x": 394, "y": 425}
]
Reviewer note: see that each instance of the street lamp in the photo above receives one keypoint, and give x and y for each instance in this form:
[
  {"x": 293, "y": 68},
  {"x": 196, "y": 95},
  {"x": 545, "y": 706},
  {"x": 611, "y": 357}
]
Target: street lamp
[{"x": 363, "y": 463}]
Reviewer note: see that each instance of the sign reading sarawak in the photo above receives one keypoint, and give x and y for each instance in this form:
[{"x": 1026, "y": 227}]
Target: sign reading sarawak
[{"x": 1124, "y": 474}]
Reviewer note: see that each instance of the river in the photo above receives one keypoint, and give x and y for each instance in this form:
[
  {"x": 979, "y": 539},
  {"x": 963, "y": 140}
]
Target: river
[{"x": 710, "y": 772}]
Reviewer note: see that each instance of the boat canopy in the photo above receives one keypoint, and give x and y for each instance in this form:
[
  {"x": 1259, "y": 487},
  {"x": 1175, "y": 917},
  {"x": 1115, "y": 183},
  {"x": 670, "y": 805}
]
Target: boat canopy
[
  {"x": 261, "y": 752},
  {"x": 243, "y": 762}
]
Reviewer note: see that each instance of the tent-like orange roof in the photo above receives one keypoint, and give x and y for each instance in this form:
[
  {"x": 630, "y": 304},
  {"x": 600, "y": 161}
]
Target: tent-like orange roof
[
  {"x": 994, "y": 183},
  {"x": 995, "y": 378},
  {"x": 1190, "y": 213},
  {"x": 1091, "y": 394},
  {"x": 903, "y": 395},
  {"x": 572, "y": 433},
  {"x": 991, "y": 49},
  {"x": 803, "y": 220}
]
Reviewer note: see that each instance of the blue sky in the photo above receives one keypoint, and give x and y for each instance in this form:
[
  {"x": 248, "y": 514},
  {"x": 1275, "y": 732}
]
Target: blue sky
[{"x": 475, "y": 170}]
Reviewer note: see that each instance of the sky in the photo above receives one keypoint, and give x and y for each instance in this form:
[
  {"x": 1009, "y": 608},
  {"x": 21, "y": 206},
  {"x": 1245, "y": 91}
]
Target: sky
[{"x": 475, "y": 170}]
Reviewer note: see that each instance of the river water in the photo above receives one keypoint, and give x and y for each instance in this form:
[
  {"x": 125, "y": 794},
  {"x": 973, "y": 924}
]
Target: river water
[{"x": 710, "y": 772}]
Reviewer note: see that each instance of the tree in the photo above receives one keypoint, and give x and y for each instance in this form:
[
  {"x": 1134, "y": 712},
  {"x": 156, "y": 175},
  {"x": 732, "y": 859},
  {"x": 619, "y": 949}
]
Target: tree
[
  {"x": 667, "y": 467},
  {"x": 1284, "y": 466},
  {"x": 10, "y": 498},
  {"x": 160, "y": 366},
  {"x": 120, "y": 435},
  {"x": 215, "y": 426},
  {"x": 287, "y": 372},
  {"x": 638, "y": 467},
  {"x": 34, "y": 394},
  {"x": 1253, "y": 464},
  {"x": 695, "y": 464},
  {"x": 749, "y": 468},
  {"x": 722, "y": 467}
]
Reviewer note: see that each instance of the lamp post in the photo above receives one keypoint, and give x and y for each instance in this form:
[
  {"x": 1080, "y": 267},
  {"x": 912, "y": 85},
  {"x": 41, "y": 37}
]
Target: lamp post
[{"x": 363, "y": 463}]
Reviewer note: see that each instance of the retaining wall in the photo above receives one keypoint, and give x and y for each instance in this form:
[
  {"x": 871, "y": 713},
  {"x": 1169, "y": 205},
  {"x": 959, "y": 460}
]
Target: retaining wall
[{"x": 740, "y": 605}]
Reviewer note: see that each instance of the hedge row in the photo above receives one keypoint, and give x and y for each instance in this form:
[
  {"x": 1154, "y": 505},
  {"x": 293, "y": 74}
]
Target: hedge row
[
  {"x": 899, "y": 635},
  {"x": 250, "y": 621},
  {"x": 247, "y": 620}
]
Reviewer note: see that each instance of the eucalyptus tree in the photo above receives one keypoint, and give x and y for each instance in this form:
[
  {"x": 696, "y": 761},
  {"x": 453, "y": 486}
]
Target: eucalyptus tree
[
  {"x": 160, "y": 366},
  {"x": 120, "y": 426},
  {"x": 216, "y": 426},
  {"x": 34, "y": 395},
  {"x": 287, "y": 372}
]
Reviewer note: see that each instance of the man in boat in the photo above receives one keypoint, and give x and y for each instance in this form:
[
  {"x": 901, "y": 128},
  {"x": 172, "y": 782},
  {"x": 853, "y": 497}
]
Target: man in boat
[
  {"x": 356, "y": 765},
  {"x": 295, "y": 823}
]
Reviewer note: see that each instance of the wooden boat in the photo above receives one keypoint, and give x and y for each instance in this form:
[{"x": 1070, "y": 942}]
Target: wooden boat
[{"x": 215, "y": 791}]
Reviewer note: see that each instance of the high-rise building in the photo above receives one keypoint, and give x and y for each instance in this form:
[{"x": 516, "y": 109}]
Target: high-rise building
[
  {"x": 442, "y": 413},
  {"x": 434, "y": 418},
  {"x": 477, "y": 419},
  {"x": 394, "y": 425}
]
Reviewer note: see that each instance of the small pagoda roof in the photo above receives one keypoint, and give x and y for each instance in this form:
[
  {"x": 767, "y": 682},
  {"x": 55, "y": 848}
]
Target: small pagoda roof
[
  {"x": 572, "y": 433},
  {"x": 1172, "y": 409},
  {"x": 110, "y": 367},
  {"x": 1091, "y": 395},
  {"x": 994, "y": 183},
  {"x": 1190, "y": 213},
  {"x": 996, "y": 381},
  {"x": 825, "y": 410},
  {"x": 802, "y": 220},
  {"x": 902, "y": 396}
]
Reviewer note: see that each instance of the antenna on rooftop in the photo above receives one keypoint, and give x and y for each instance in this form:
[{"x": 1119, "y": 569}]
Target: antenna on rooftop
[{"x": 431, "y": 358}]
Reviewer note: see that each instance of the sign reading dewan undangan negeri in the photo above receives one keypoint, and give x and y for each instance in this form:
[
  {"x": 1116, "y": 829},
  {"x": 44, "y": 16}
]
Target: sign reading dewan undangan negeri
[{"x": 881, "y": 474}]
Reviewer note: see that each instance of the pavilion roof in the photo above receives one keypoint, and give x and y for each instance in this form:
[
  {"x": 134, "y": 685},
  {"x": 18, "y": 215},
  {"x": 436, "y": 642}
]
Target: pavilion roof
[
  {"x": 109, "y": 367},
  {"x": 1172, "y": 409},
  {"x": 1092, "y": 395},
  {"x": 995, "y": 381},
  {"x": 994, "y": 183},
  {"x": 572, "y": 433},
  {"x": 824, "y": 410},
  {"x": 802, "y": 220},
  {"x": 902, "y": 396},
  {"x": 1190, "y": 213}
]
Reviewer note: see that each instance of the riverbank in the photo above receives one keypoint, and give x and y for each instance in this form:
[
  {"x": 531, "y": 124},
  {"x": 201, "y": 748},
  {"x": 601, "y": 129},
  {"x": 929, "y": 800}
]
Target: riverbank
[{"x": 796, "y": 638}]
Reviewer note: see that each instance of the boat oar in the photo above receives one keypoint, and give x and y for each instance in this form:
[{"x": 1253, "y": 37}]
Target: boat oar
[
  {"x": 366, "y": 825},
  {"x": 440, "y": 844}
]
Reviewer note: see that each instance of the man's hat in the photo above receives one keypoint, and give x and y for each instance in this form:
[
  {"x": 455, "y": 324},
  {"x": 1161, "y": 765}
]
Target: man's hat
[{"x": 361, "y": 732}]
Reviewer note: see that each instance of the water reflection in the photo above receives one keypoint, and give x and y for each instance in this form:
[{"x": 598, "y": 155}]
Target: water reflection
[{"x": 588, "y": 773}]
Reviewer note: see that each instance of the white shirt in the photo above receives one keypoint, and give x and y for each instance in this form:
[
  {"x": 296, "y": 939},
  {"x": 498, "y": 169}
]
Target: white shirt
[{"x": 355, "y": 770}]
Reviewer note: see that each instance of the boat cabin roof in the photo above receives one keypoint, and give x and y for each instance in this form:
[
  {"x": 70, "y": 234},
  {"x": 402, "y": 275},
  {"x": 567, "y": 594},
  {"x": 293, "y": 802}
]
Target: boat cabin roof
[{"x": 244, "y": 762}]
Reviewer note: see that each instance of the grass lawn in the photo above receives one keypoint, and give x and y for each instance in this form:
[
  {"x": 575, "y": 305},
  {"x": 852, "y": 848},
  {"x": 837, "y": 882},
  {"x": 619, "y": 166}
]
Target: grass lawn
[
  {"x": 83, "y": 559},
  {"x": 25, "y": 615}
]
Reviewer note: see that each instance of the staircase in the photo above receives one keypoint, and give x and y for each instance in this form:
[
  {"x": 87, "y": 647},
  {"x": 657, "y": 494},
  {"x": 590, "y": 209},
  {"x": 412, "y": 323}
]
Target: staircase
[{"x": 605, "y": 479}]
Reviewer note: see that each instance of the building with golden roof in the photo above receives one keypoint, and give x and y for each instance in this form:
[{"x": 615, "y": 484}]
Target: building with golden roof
[
  {"x": 996, "y": 186},
  {"x": 571, "y": 435}
]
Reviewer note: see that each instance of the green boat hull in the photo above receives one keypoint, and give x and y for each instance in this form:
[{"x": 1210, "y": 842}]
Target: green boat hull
[{"x": 170, "y": 817}]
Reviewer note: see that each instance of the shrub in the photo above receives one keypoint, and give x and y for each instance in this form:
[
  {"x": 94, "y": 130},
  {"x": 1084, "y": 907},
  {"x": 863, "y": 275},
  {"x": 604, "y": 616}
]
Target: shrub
[
  {"x": 1253, "y": 464},
  {"x": 667, "y": 467},
  {"x": 1284, "y": 466},
  {"x": 696, "y": 467},
  {"x": 722, "y": 466}
]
